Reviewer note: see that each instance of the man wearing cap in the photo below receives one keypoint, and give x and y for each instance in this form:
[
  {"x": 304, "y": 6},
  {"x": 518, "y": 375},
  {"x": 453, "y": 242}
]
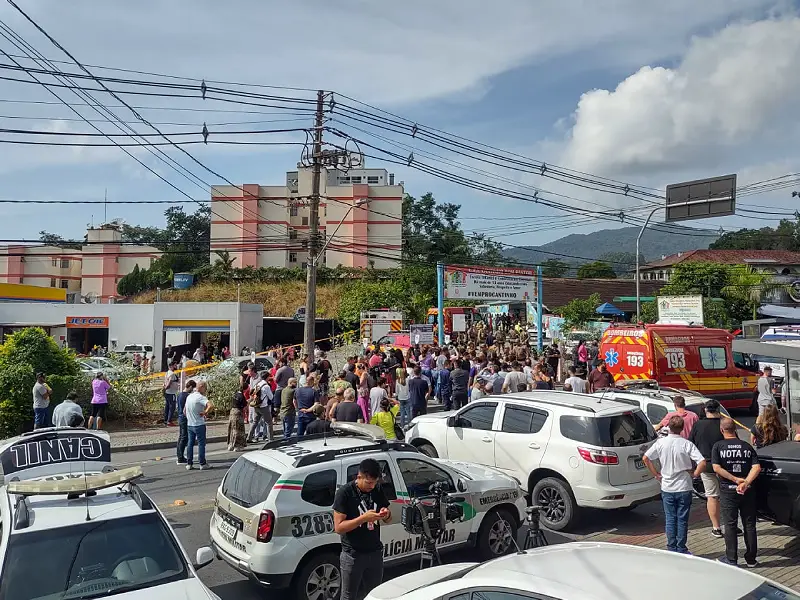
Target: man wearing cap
[
  {"x": 764, "y": 387},
  {"x": 41, "y": 402}
]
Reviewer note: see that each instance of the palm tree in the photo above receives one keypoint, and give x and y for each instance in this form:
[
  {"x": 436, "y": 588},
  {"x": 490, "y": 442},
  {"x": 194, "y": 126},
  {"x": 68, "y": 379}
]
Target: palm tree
[
  {"x": 751, "y": 286},
  {"x": 224, "y": 264}
]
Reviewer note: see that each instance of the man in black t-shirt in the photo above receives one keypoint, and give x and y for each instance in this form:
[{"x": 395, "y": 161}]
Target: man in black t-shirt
[
  {"x": 736, "y": 464},
  {"x": 358, "y": 510},
  {"x": 348, "y": 411},
  {"x": 704, "y": 435}
]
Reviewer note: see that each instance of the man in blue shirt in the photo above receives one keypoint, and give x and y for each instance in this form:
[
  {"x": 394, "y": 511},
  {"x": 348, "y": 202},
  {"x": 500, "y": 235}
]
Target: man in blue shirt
[
  {"x": 445, "y": 391},
  {"x": 305, "y": 397},
  {"x": 419, "y": 389}
]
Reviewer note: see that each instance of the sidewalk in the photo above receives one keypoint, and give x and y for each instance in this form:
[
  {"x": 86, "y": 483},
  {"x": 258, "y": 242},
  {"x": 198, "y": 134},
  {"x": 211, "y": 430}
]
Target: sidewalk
[
  {"x": 778, "y": 546},
  {"x": 156, "y": 438}
]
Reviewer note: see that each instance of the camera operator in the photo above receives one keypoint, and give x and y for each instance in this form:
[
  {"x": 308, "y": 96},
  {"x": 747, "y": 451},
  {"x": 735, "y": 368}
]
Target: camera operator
[{"x": 358, "y": 509}]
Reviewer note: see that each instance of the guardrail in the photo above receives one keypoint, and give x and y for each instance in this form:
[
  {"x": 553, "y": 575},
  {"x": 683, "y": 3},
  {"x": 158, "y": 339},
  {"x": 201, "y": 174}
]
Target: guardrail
[{"x": 192, "y": 370}]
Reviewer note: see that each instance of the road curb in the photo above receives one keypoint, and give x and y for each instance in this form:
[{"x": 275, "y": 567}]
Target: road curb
[{"x": 162, "y": 445}]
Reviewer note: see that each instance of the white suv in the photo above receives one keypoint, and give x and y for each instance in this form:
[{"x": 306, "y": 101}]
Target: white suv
[{"x": 567, "y": 450}]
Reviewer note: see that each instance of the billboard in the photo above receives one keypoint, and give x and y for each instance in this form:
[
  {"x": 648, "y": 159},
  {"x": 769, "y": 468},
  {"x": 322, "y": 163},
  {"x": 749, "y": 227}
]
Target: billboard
[
  {"x": 489, "y": 283},
  {"x": 701, "y": 199},
  {"x": 421, "y": 333},
  {"x": 680, "y": 309}
]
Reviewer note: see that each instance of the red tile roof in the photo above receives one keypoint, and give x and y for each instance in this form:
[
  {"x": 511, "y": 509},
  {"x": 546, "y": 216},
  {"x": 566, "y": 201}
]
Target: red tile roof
[
  {"x": 729, "y": 257},
  {"x": 558, "y": 292}
]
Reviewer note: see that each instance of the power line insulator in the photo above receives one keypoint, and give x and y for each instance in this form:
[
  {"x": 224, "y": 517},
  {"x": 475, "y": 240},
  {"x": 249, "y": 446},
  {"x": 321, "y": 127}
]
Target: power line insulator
[
  {"x": 205, "y": 134},
  {"x": 203, "y": 88}
]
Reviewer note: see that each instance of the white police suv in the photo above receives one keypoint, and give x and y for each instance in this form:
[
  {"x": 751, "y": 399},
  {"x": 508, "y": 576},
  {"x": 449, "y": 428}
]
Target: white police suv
[
  {"x": 273, "y": 520},
  {"x": 71, "y": 526}
]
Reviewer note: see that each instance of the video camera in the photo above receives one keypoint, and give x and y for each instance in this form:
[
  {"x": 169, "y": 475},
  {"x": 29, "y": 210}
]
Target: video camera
[{"x": 428, "y": 515}]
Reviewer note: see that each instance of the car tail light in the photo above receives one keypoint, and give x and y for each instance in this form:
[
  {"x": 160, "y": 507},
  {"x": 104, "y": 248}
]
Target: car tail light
[
  {"x": 598, "y": 457},
  {"x": 266, "y": 526}
]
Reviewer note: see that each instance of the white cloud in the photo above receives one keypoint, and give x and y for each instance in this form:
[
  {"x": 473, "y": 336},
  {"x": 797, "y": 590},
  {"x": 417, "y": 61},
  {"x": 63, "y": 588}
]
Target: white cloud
[
  {"x": 395, "y": 53},
  {"x": 730, "y": 103}
]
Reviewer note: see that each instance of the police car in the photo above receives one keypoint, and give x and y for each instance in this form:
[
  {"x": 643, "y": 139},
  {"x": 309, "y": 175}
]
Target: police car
[
  {"x": 273, "y": 520},
  {"x": 71, "y": 526}
]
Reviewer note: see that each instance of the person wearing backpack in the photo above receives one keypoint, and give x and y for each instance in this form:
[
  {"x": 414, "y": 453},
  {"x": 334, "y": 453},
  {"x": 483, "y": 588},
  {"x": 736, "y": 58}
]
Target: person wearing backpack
[
  {"x": 171, "y": 388},
  {"x": 261, "y": 403}
]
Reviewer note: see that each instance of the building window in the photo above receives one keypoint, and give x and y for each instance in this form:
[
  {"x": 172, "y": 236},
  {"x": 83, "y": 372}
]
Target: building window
[
  {"x": 293, "y": 234},
  {"x": 661, "y": 274},
  {"x": 356, "y": 179},
  {"x": 305, "y": 220},
  {"x": 52, "y": 282},
  {"x": 292, "y": 257},
  {"x": 55, "y": 262},
  {"x": 293, "y": 210},
  {"x": 64, "y": 284},
  {"x": 344, "y": 180},
  {"x": 373, "y": 179},
  {"x": 65, "y": 263},
  {"x": 303, "y": 265}
]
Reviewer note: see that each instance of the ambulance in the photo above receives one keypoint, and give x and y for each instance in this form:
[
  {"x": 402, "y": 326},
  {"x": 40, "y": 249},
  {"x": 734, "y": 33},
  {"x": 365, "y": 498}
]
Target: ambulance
[{"x": 680, "y": 356}]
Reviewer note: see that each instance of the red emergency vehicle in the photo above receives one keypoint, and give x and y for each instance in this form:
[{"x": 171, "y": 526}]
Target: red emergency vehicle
[
  {"x": 680, "y": 356},
  {"x": 468, "y": 312}
]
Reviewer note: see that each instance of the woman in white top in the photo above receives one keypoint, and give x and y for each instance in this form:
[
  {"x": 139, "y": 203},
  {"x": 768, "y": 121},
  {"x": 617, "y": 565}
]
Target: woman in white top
[{"x": 403, "y": 397}]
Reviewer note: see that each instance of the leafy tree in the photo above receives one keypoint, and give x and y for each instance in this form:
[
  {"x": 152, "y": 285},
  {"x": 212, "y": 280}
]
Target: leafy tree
[
  {"x": 714, "y": 282},
  {"x": 432, "y": 233},
  {"x": 52, "y": 239},
  {"x": 649, "y": 312},
  {"x": 596, "y": 270},
  {"x": 786, "y": 236},
  {"x": 22, "y": 355},
  {"x": 579, "y": 311},
  {"x": 750, "y": 286},
  {"x": 553, "y": 267}
]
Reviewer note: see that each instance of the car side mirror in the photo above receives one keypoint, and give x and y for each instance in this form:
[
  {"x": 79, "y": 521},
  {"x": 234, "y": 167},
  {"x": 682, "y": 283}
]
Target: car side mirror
[
  {"x": 452, "y": 421},
  {"x": 203, "y": 558},
  {"x": 461, "y": 486}
]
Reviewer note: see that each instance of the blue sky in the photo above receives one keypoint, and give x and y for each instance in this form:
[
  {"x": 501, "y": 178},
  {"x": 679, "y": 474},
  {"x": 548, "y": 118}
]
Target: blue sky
[{"x": 636, "y": 90}]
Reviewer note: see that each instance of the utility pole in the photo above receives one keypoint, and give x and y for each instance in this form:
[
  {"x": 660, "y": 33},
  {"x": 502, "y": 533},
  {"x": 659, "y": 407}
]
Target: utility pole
[{"x": 311, "y": 267}]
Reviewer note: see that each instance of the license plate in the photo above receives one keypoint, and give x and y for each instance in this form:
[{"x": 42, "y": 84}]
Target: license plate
[
  {"x": 226, "y": 529},
  {"x": 638, "y": 463}
]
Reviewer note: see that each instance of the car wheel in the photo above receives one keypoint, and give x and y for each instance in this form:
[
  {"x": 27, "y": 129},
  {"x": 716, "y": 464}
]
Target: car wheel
[
  {"x": 320, "y": 578},
  {"x": 497, "y": 534},
  {"x": 428, "y": 450},
  {"x": 559, "y": 508}
]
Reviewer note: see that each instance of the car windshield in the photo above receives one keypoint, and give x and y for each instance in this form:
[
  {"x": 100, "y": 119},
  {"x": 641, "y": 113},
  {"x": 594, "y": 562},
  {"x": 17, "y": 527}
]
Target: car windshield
[
  {"x": 132, "y": 348},
  {"x": 767, "y": 591},
  {"x": 91, "y": 560}
]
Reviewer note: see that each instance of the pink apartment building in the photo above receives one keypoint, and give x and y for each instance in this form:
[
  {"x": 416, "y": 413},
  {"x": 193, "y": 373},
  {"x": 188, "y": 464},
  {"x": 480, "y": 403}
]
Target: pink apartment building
[
  {"x": 268, "y": 226},
  {"x": 93, "y": 271}
]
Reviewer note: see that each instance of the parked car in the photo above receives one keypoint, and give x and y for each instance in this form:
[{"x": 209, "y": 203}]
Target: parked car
[
  {"x": 656, "y": 400},
  {"x": 568, "y": 451},
  {"x": 128, "y": 350},
  {"x": 778, "y": 486},
  {"x": 93, "y": 365}
]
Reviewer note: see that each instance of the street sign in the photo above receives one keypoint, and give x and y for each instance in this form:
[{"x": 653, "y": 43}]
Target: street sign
[
  {"x": 680, "y": 310},
  {"x": 701, "y": 199}
]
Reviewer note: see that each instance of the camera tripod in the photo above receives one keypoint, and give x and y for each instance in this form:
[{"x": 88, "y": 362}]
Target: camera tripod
[
  {"x": 535, "y": 536},
  {"x": 430, "y": 553}
]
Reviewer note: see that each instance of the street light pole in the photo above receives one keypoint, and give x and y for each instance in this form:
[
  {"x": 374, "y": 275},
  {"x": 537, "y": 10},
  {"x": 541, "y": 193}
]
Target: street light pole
[{"x": 639, "y": 239}]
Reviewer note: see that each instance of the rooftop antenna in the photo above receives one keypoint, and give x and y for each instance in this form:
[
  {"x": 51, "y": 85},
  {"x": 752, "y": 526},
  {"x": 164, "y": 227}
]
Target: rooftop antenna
[{"x": 86, "y": 492}]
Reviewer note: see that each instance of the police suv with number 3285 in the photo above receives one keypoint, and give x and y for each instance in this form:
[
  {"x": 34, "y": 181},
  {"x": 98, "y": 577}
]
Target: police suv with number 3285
[{"x": 273, "y": 517}]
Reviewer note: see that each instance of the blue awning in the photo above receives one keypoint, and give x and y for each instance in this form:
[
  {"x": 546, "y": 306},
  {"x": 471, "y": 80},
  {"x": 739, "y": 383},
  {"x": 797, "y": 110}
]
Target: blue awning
[{"x": 609, "y": 310}]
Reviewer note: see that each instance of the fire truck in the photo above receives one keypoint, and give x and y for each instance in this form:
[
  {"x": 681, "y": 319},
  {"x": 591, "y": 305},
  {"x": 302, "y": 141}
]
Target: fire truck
[
  {"x": 375, "y": 324},
  {"x": 469, "y": 313}
]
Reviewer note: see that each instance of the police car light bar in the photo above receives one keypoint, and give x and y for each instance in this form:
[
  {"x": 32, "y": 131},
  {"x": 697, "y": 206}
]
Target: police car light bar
[{"x": 75, "y": 484}]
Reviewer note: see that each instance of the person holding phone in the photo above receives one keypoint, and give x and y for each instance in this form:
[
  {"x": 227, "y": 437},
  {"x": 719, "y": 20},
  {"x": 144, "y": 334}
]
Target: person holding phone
[{"x": 359, "y": 508}]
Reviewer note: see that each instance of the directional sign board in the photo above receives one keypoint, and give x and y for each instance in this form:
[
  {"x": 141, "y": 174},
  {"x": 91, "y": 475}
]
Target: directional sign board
[{"x": 701, "y": 199}]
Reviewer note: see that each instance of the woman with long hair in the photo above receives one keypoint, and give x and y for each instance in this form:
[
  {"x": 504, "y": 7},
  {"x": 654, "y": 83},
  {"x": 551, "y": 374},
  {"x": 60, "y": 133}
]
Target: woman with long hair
[
  {"x": 768, "y": 428},
  {"x": 236, "y": 435},
  {"x": 403, "y": 397}
]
